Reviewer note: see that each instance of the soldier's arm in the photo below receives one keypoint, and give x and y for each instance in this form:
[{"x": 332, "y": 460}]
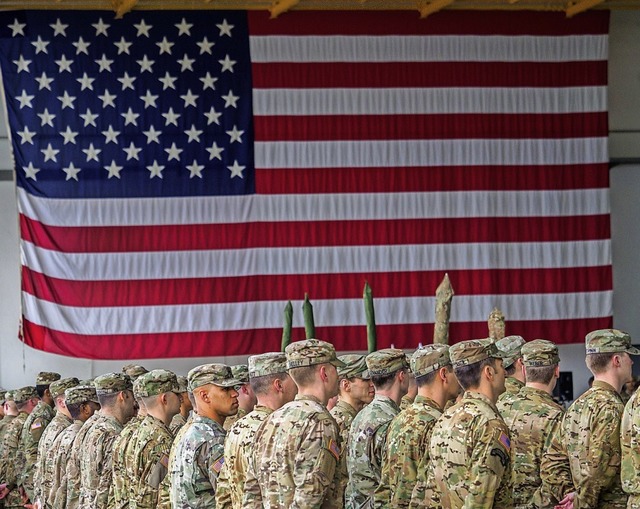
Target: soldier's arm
[
  {"x": 382, "y": 494},
  {"x": 223, "y": 490},
  {"x": 105, "y": 446},
  {"x": 252, "y": 497},
  {"x": 544, "y": 496},
  {"x": 154, "y": 462},
  {"x": 31, "y": 438},
  {"x": 555, "y": 469},
  {"x": 630, "y": 447}
]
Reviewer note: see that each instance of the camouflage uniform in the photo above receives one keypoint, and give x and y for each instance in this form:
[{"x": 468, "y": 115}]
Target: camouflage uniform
[
  {"x": 406, "y": 402},
  {"x": 409, "y": 435},
  {"x": 72, "y": 470},
  {"x": 118, "y": 496},
  {"x": 588, "y": 440},
  {"x": 297, "y": 450},
  {"x": 511, "y": 346},
  {"x": 630, "y": 445},
  {"x": 176, "y": 423},
  {"x": 470, "y": 465},
  {"x": 241, "y": 373},
  {"x": 232, "y": 419},
  {"x": 343, "y": 413},
  {"x": 164, "y": 499},
  {"x": 367, "y": 439}
]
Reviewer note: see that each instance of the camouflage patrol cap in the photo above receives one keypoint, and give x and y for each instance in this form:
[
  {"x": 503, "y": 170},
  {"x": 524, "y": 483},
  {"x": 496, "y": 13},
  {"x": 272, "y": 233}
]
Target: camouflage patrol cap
[
  {"x": 472, "y": 351},
  {"x": 310, "y": 352},
  {"x": 386, "y": 361},
  {"x": 58, "y": 387},
  {"x": 8, "y": 396},
  {"x": 241, "y": 372},
  {"x": 540, "y": 352},
  {"x": 355, "y": 366},
  {"x": 155, "y": 382},
  {"x": 216, "y": 374},
  {"x": 609, "y": 341},
  {"x": 430, "y": 358},
  {"x": 47, "y": 377},
  {"x": 271, "y": 363},
  {"x": 134, "y": 371},
  {"x": 182, "y": 383},
  {"x": 112, "y": 383},
  {"x": 3, "y": 395},
  {"x": 87, "y": 381},
  {"x": 511, "y": 346},
  {"x": 25, "y": 393},
  {"x": 80, "y": 394}
]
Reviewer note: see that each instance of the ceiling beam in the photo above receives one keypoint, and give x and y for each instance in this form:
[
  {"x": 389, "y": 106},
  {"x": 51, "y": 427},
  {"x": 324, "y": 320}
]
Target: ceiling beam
[
  {"x": 581, "y": 6},
  {"x": 282, "y": 6},
  {"x": 425, "y": 9}
]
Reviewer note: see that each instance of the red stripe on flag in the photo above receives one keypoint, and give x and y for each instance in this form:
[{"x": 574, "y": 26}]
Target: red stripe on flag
[
  {"x": 121, "y": 239},
  {"x": 428, "y": 74},
  {"x": 431, "y": 179},
  {"x": 412, "y": 127},
  {"x": 220, "y": 344},
  {"x": 157, "y": 292}
]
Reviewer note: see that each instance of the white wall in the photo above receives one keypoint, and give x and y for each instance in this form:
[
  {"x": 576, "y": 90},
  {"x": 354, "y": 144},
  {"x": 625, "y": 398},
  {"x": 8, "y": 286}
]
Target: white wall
[{"x": 19, "y": 364}]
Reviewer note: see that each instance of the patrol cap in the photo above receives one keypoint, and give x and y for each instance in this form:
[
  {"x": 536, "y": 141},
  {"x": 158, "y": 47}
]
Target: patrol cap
[
  {"x": 511, "y": 346},
  {"x": 386, "y": 361},
  {"x": 112, "y": 383},
  {"x": 58, "y": 387},
  {"x": 134, "y": 371},
  {"x": 3, "y": 395},
  {"x": 241, "y": 372},
  {"x": 271, "y": 363},
  {"x": 216, "y": 374},
  {"x": 87, "y": 381},
  {"x": 472, "y": 351},
  {"x": 8, "y": 396},
  {"x": 540, "y": 352},
  {"x": 430, "y": 358},
  {"x": 182, "y": 383},
  {"x": 80, "y": 394},
  {"x": 46, "y": 377},
  {"x": 355, "y": 366},
  {"x": 25, "y": 393},
  {"x": 310, "y": 352},
  {"x": 609, "y": 341},
  {"x": 155, "y": 382}
]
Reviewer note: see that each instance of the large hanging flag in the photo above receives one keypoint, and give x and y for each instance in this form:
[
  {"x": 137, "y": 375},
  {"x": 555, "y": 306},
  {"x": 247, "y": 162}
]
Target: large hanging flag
[{"x": 182, "y": 175}]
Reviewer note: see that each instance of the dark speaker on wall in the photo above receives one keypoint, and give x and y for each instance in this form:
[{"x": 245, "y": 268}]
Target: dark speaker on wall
[{"x": 564, "y": 388}]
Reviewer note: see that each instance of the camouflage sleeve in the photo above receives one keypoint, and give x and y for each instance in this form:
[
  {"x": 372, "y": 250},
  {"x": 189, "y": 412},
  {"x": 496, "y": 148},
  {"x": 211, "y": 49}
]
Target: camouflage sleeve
[
  {"x": 10, "y": 444},
  {"x": 547, "y": 496},
  {"x": 630, "y": 448},
  {"x": 317, "y": 458},
  {"x": 104, "y": 461},
  {"x": 31, "y": 437},
  {"x": 252, "y": 498},
  {"x": 223, "y": 492},
  {"x": 555, "y": 469},
  {"x": 200, "y": 479},
  {"x": 58, "y": 495},
  {"x": 597, "y": 462},
  {"x": 382, "y": 494},
  {"x": 153, "y": 462},
  {"x": 489, "y": 477},
  {"x": 164, "y": 496}
]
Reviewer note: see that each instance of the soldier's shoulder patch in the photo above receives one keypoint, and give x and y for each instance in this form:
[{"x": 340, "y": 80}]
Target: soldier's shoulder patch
[
  {"x": 217, "y": 465},
  {"x": 504, "y": 440},
  {"x": 334, "y": 449},
  {"x": 164, "y": 461},
  {"x": 36, "y": 424}
]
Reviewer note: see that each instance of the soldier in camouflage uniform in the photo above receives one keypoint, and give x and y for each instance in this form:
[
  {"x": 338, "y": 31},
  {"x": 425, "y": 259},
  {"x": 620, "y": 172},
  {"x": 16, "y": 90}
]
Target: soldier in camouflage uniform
[
  {"x": 584, "y": 457},
  {"x": 469, "y": 449},
  {"x": 26, "y": 400},
  {"x": 630, "y": 446},
  {"x": 147, "y": 452},
  {"x": 43, "y": 474},
  {"x": 32, "y": 430},
  {"x": 273, "y": 388},
  {"x": 10, "y": 413},
  {"x": 410, "y": 396},
  {"x": 180, "y": 419},
  {"x": 410, "y": 431},
  {"x": 246, "y": 397},
  {"x": 199, "y": 455},
  {"x": 81, "y": 402},
  {"x": 115, "y": 393},
  {"x": 389, "y": 371},
  {"x": 72, "y": 471},
  {"x": 533, "y": 418},
  {"x": 511, "y": 347},
  {"x": 297, "y": 449}
]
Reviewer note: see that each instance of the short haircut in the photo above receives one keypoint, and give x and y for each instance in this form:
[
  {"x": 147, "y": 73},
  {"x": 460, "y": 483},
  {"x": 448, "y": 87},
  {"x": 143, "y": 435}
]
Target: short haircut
[
  {"x": 427, "y": 379},
  {"x": 22, "y": 405},
  {"x": 74, "y": 410},
  {"x": 108, "y": 400},
  {"x": 192, "y": 398},
  {"x": 469, "y": 375},
  {"x": 262, "y": 384},
  {"x": 41, "y": 389},
  {"x": 510, "y": 370},
  {"x": 384, "y": 381},
  {"x": 305, "y": 375},
  {"x": 599, "y": 362},
  {"x": 540, "y": 374}
]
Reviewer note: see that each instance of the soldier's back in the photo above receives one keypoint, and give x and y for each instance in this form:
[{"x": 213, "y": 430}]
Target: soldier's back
[
  {"x": 32, "y": 431},
  {"x": 60, "y": 454},
  {"x": 72, "y": 474},
  {"x": 8, "y": 468},
  {"x": 118, "y": 497},
  {"x": 43, "y": 473}
]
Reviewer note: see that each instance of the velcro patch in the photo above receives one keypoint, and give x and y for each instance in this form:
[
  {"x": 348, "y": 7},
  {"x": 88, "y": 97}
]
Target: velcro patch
[
  {"x": 36, "y": 424},
  {"x": 217, "y": 465},
  {"x": 504, "y": 440},
  {"x": 164, "y": 461},
  {"x": 334, "y": 449}
]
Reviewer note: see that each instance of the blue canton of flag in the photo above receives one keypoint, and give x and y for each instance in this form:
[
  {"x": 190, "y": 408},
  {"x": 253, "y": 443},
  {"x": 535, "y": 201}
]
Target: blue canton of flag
[{"x": 137, "y": 107}]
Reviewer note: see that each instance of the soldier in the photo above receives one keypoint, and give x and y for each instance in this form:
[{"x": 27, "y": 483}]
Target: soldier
[
  {"x": 410, "y": 431},
  {"x": 185, "y": 407},
  {"x": 273, "y": 388},
  {"x": 410, "y": 396},
  {"x": 583, "y": 461},
  {"x": 133, "y": 371},
  {"x": 297, "y": 449},
  {"x": 390, "y": 374},
  {"x": 511, "y": 346},
  {"x": 115, "y": 394},
  {"x": 81, "y": 402},
  {"x": 62, "y": 420},
  {"x": 246, "y": 397},
  {"x": 10, "y": 413},
  {"x": 32, "y": 430},
  {"x": 630, "y": 446},
  {"x": 147, "y": 452},
  {"x": 199, "y": 454},
  {"x": 533, "y": 418},
  {"x": 26, "y": 400},
  {"x": 469, "y": 448}
]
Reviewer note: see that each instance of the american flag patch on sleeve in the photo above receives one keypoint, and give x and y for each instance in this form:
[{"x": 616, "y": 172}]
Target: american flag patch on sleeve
[
  {"x": 334, "y": 449},
  {"x": 217, "y": 466},
  {"x": 504, "y": 440}
]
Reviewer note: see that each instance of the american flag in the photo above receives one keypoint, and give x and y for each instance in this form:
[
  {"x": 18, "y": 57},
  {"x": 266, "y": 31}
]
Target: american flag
[{"x": 181, "y": 175}]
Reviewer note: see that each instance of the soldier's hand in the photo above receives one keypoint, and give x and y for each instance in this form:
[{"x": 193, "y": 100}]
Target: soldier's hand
[
  {"x": 567, "y": 501},
  {"x": 24, "y": 498},
  {"x": 4, "y": 491}
]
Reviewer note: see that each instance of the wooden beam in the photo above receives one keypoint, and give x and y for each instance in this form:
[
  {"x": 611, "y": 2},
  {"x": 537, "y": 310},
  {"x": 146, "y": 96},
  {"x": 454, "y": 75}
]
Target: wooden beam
[
  {"x": 433, "y": 7},
  {"x": 282, "y": 6},
  {"x": 581, "y": 6}
]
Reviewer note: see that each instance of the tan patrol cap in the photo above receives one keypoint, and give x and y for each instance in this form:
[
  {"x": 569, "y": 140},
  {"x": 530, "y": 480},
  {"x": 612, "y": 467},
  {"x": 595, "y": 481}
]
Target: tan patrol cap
[
  {"x": 355, "y": 366},
  {"x": 430, "y": 358},
  {"x": 472, "y": 351},
  {"x": 310, "y": 352},
  {"x": 511, "y": 346},
  {"x": 609, "y": 341},
  {"x": 540, "y": 352},
  {"x": 386, "y": 361},
  {"x": 270, "y": 363},
  {"x": 216, "y": 374}
]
